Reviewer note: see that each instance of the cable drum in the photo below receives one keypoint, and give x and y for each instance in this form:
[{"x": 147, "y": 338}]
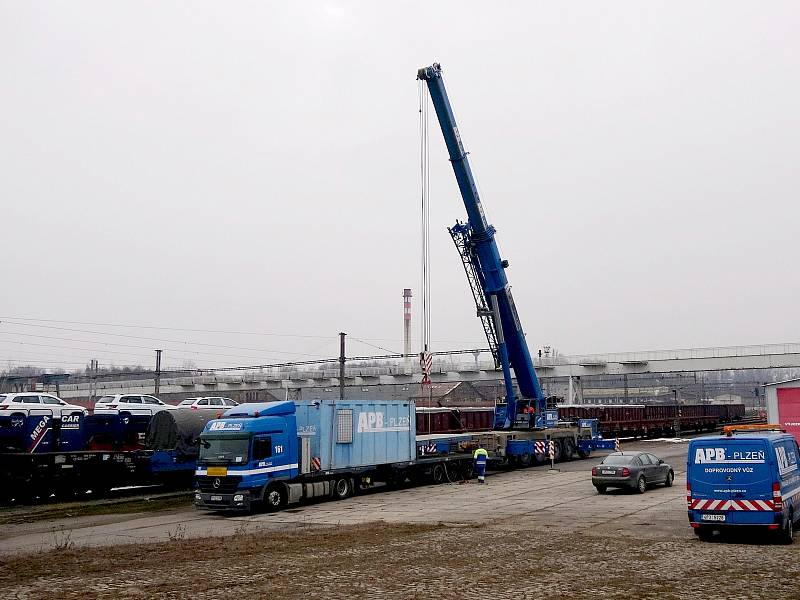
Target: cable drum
[{"x": 178, "y": 430}]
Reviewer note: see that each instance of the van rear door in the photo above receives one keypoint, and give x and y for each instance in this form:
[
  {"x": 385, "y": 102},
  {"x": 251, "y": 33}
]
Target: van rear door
[{"x": 731, "y": 475}]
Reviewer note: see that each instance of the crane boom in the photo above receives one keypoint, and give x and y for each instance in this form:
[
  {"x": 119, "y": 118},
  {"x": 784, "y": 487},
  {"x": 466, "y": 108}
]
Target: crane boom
[{"x": 476, "y": 241}]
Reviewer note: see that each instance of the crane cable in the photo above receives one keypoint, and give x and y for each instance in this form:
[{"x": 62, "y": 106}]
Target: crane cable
[{"x": 425, "y": 214}]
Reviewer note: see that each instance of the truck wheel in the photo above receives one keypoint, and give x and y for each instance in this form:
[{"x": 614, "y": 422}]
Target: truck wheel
[
  {"x": 670, "y": 478},
  {"x": 569, "y": 449},
  {"x": 525, "y": 460},
  {"x": 275, "y": 497},
  {"x": 557, "y": 451},
  {"x": 641, "y": 485},
  {"x": 467, "y": 471},
  {"x": 437, "y": 474},
  {"x": 341, "y": 488}
]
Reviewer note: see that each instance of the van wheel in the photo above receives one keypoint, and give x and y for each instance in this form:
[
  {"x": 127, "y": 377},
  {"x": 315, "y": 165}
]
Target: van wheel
[
  {"x": 275, "y": 497},
  {"x": 787, "y": 531},
  {"x": 705, "y": 534},
  {"x": 641, "y": 485},
  {"x": 670, "y": 478}
]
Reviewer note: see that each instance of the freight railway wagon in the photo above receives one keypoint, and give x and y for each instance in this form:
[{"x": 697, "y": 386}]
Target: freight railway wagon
[
  {"x": 454, "y": 420},
  {"x": 643, "y": 420},
  {"x": 277, "y": 453},
  {"x": 42, "y": 455}
]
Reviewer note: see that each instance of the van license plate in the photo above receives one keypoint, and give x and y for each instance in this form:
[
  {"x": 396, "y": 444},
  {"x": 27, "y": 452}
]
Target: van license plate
[
  {"x": 712, "y": 517},
  {"x": 219, "y": 499}
]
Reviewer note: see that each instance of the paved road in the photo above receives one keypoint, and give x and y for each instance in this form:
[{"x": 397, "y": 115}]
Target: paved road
[{"x": 533, "y": 499}]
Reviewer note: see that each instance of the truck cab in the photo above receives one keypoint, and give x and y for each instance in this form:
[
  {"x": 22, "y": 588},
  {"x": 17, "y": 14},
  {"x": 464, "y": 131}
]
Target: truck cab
[
  {"x": 743, "y": 479},
  {"x": 242, "y": 453}
]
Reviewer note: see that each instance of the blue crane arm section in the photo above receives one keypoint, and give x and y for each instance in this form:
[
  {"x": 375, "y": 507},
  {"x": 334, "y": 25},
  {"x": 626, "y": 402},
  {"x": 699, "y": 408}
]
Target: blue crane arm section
[{"x": 513, "y": 350}]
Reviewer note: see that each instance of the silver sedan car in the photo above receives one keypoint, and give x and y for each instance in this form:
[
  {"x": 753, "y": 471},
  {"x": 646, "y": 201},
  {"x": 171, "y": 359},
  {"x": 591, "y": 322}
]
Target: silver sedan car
[{"x": 635, "y": 470}]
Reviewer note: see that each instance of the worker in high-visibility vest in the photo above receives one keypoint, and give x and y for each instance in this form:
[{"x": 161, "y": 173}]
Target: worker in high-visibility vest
[{"x": 480, "y": 457}]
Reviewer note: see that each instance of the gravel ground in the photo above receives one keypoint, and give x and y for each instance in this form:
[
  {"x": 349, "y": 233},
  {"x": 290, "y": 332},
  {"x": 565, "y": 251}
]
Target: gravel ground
[{"x": 380, "y": 560}]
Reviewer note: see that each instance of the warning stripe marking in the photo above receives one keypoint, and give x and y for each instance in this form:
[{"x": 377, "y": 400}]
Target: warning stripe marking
[{"x": 744, "y": 505}]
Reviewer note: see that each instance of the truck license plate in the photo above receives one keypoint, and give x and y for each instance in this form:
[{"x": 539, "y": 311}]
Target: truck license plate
[
  {"x": 607, "y": 472},
  {"x": 216, "y": 498},
  {"x": 712, "y": 517}
]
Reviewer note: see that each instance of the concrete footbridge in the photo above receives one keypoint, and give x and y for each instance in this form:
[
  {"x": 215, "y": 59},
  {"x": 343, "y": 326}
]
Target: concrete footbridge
[{"x": 447, "y": 367}]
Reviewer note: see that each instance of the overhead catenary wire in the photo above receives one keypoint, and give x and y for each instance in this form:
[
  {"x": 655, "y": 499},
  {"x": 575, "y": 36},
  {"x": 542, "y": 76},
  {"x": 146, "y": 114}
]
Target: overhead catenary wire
[
  {"x": 183, "y": 351},
  {"x": 371, "y": 345},
  {"x": 216, "y": 331},
  {"x": 9, "y": 319},
  {"x": 139, "y": 337}
]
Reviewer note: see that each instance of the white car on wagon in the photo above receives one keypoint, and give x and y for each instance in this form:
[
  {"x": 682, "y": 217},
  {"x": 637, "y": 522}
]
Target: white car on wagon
[
  {"x": 134, "y": 404},
  {"x": 201, "y": 402},
  {"x": 39, "y": 404}
]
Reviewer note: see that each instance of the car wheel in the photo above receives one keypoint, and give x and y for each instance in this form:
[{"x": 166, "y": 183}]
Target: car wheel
[
  {"x": 275, "y": 497},
  {"x": 641, "y": 485},
  {"x": 669, "y": 480},
  {"x": 601, "y": 489},
  {"x": 341, "y": 488}
]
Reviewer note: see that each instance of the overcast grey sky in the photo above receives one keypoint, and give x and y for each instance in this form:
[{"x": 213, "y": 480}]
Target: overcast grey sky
[{"x": 254, "y": 167}]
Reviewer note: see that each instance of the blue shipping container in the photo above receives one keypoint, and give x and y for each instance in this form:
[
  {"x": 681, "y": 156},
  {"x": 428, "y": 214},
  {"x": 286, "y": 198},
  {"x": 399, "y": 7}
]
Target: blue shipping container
[{"x": 345, "y": 434}]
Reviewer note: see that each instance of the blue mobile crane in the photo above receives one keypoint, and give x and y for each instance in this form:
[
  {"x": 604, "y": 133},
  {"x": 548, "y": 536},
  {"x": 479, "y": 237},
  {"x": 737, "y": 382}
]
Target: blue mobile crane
[
  {"x": 475, "y": 241},
  {"x": 277, "y": 453}
]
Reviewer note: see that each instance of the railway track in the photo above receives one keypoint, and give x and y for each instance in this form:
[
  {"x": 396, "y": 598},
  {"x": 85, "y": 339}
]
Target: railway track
[{"x": 123, "y": 502}]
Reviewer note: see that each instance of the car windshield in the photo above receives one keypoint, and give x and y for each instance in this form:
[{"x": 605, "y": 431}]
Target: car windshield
[
  {"x": 105, "y": 399},
  {"x": 224, "y": 450},
  {"x": 187, "y": 402},
  {"x": 618, "y": 459}
]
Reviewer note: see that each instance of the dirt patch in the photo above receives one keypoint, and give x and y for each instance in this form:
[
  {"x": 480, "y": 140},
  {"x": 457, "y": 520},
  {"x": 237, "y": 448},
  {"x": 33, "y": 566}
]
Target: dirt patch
[{"x": 378, "y": 560}]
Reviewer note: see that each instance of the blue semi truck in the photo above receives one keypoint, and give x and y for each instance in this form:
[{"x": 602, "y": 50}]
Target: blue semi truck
[{"x": 278, "y": 453}]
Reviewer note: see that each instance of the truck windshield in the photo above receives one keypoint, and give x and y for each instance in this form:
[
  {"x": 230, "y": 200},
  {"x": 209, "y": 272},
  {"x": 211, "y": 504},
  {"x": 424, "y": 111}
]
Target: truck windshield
[{"x": 224, "y": 450}]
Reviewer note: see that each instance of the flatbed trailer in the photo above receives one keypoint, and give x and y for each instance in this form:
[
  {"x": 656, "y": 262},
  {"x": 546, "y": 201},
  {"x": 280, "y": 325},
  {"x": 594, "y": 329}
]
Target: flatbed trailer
[
  {"x": 279, "y": 453},
  {"x": 42, "y": 455},
  {"x": 27, "y": 476}
]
